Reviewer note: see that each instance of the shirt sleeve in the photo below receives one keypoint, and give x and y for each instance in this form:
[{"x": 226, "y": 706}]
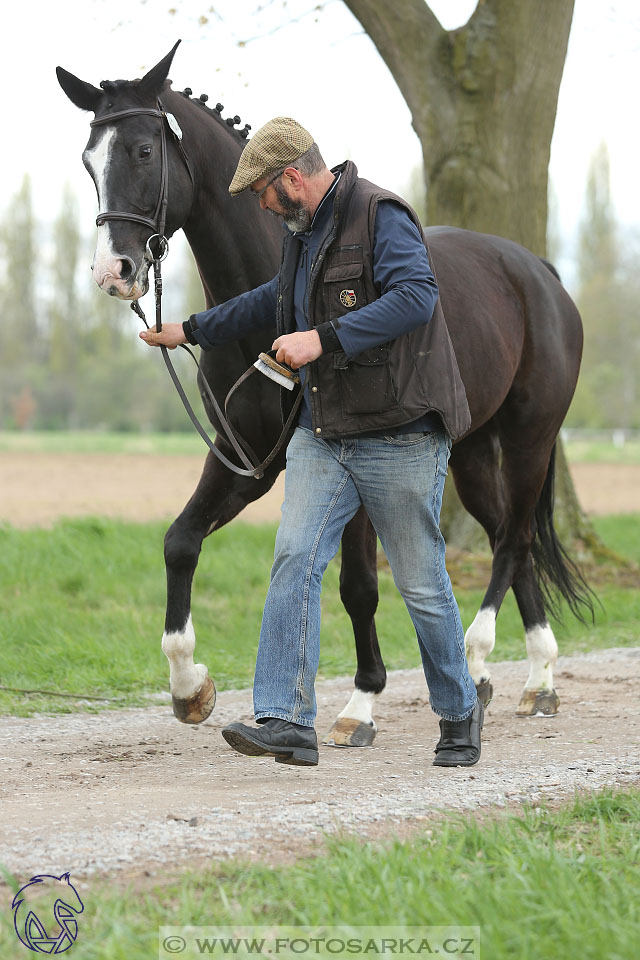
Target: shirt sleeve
[
  {"x": 236, "y": 318},
  {"x": 408, "y": 290}
]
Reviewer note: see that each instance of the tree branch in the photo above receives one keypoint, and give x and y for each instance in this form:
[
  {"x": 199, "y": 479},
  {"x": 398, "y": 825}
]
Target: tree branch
[{"x": 406, "y": 34}]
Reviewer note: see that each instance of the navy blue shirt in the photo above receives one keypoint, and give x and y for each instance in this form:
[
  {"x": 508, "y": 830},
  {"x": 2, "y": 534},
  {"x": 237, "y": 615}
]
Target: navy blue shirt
[{"x": 408, "y": 294}]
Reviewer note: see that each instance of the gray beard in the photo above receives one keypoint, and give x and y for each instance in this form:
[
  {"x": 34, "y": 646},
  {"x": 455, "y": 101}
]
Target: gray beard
[{"x": 297, "y": 219}]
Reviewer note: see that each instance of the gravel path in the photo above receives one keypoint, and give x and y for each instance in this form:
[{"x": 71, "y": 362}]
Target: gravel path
[{"x": 124, "y": 791}]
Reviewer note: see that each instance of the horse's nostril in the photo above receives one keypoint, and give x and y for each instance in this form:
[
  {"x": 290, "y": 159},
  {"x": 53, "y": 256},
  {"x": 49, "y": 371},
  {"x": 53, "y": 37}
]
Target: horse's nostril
[{"x": 127, "y": 268}]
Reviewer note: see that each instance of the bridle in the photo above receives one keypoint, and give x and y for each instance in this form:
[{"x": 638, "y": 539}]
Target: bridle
[
  {"x": 158, "y": 222},
  {"x": 252, "y": 465}
]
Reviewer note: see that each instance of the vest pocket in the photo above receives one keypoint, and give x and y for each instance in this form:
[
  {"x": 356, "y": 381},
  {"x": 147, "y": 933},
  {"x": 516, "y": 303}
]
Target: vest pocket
[
  {"x": 343, "y": 289},
  {"x": 366, "y": 385}
]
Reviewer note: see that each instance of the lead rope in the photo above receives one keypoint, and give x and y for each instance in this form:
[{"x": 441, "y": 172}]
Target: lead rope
[{"x": 253, "y": 469}]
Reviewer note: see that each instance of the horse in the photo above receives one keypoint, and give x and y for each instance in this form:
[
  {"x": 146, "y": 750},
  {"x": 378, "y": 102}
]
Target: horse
[{"x": 517, "y": 337}]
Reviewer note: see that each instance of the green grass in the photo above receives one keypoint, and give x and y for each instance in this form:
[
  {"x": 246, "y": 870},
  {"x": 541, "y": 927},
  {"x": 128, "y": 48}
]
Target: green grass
[
  {"x": 621, "y": 534},
  {"x": 97, "y": 441},
  {"x": 82, "y": 611},
  {"x": 541, "y": 886},
  {"x": 602, "y": 451}
]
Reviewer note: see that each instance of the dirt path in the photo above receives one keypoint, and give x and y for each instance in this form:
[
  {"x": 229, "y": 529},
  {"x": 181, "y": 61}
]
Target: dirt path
[
  {"x": 124, "y": 791},
  {"x": 607, "y": 487},
  {"x": 36, "y": 489}
]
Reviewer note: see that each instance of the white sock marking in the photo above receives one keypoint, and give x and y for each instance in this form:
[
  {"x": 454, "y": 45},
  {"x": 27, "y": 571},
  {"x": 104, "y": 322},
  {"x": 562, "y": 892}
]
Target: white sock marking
[
  {"x": 360, "y": 707},
  {"x": 479, "y": 641},
  {"x": 542, "y": 651},
  {"x": 185, "y": 676}
]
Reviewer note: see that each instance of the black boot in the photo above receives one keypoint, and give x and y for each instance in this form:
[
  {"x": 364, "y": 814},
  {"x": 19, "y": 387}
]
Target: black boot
[
  {"x": 459, "y": 744},
  {"x": 287, "y": 742}
]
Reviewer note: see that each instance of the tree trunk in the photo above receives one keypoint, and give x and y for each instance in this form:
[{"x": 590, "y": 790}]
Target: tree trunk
[{"x": 483, "y": 102}]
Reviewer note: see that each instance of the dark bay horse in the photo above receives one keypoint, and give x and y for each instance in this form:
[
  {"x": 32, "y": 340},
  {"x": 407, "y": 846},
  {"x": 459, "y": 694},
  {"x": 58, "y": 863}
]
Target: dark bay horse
[{"x": 517, "y": 337}]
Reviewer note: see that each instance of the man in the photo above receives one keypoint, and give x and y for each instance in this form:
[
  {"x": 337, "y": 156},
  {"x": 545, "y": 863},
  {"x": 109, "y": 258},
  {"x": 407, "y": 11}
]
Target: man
[{"x": 357, "y": 310}]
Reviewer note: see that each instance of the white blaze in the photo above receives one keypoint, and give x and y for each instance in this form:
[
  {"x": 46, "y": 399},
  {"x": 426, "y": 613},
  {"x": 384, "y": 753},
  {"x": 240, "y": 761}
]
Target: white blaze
[{"x": 106, "y": 263}]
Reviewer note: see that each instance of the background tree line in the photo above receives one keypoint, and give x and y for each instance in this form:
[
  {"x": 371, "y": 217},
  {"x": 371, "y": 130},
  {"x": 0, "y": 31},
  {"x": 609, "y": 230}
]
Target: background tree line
[
  {"x": 70, "y": 356},
  {"x": 608, "y": 296}
]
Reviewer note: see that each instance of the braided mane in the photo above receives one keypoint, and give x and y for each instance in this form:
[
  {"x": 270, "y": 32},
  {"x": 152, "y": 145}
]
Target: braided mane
[
  {"x": 216, "y": 112},
  {"x": 116, "y": 86}
]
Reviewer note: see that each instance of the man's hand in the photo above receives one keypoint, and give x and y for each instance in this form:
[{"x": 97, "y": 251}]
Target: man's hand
[
  {"x": 170, "y": 336},
  {"x": 296, "y": 349}
]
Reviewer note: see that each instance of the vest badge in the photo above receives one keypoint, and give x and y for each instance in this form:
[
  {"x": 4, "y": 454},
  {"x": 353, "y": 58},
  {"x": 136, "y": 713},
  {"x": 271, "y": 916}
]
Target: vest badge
[{"x": 348, "y": 298}]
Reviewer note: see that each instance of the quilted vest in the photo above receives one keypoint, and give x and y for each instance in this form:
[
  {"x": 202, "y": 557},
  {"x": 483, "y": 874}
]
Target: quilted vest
[{"x": 384, "y": 386}]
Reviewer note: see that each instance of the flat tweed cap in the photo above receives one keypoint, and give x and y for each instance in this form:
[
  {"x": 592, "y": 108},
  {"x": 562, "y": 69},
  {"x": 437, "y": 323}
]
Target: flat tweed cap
[{"x": 274, "y": 146}]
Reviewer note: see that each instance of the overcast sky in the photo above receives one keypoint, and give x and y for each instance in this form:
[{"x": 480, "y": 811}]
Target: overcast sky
[{"x": 317, "y": 66}]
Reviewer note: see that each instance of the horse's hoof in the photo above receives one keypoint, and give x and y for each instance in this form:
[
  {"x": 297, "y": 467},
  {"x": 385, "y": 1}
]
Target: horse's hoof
[
  {"x": 198, "y": 707},
  {"x": 347, "y": 732},
  {"x": 484, "y": 689},
  {"x": 538, "y": 703}
]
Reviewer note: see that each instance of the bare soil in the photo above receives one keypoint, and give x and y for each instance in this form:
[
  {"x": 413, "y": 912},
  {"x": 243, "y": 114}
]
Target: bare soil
[
  {"x": 125, "y": 791},
  {"x": 36, "y": 489}
]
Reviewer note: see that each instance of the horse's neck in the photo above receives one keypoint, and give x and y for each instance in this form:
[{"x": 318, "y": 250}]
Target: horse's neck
[
  {"x": 236, "y": 245},
  {"x": 232, "y": 254}
]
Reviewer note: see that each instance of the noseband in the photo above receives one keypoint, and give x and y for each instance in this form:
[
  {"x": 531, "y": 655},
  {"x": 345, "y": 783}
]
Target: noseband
[{"x": 252, "y": 465}]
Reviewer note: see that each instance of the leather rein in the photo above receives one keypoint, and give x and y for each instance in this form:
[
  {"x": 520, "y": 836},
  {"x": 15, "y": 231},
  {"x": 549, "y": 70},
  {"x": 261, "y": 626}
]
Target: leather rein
[{"x": 155, "y": 254}]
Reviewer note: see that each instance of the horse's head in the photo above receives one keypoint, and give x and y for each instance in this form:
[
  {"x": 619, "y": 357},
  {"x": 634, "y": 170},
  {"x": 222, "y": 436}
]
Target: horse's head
[{"x": 129, "y": 157}]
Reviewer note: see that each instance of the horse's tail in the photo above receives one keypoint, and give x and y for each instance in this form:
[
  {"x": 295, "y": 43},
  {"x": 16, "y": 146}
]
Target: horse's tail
[{"x": 556, "y": 572}]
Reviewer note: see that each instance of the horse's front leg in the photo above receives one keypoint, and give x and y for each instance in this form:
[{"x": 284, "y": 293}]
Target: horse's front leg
[
  {"x": 218, "y": 498},
  {"x": 355, "y": 726}
]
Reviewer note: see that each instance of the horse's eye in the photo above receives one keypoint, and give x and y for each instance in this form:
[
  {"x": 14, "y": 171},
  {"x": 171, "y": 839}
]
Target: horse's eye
[{"x": 145, "y": 152}]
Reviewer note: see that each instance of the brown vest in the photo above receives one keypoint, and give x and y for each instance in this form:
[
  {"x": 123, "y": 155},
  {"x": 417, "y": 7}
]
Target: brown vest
[{"x": 388, "y": 385}]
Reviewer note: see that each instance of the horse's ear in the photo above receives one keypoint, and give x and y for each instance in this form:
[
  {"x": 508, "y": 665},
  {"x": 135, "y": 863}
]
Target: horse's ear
[
  {"x": 153, "y": 80},
  {"x": 84, "y": 95}
]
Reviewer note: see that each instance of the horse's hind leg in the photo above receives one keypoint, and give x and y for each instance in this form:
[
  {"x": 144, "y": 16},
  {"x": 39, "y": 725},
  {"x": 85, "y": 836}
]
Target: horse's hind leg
[
  {"x": 355, "y": 726},
  {"x": 503, "y": 498},
  {"x": 525, "y": 472},
  {"x": 218, "y": 498},
  {"x": 475, "y": 466},
  {"x": 539, "y": 697}
]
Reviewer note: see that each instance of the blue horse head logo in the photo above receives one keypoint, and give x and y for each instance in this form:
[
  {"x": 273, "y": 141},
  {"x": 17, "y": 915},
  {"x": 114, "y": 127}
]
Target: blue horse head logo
[{"x": 54, "y": 928}]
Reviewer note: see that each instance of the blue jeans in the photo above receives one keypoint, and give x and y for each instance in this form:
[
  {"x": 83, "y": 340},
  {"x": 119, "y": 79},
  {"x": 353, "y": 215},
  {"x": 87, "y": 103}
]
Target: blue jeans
[{"x": 400, "y": 480}]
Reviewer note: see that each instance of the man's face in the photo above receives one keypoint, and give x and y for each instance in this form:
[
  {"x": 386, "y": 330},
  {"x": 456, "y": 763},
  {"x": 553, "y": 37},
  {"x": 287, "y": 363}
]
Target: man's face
[{"x": 279, "y": 199}]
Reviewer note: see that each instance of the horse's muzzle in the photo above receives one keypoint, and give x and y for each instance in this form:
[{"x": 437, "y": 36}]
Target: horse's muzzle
[{"x": 122, "y": 280}]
